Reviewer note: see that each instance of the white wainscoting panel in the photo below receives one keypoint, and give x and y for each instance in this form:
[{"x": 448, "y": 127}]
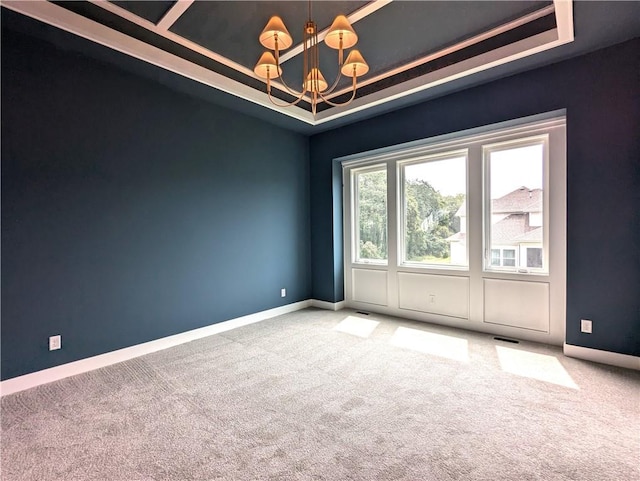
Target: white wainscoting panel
[
  {"x": 445, "y": 295},
  {"x": 369, "y": 286},
  {"x": 517, "y": 304}
]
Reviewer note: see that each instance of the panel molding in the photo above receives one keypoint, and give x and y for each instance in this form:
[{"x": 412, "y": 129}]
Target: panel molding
[
  {"x": 425, "y": 292},
  {"x": 372, "y": 286},
  {"x": 551, "y": 326},
  {"x": 513, "y": 302}
]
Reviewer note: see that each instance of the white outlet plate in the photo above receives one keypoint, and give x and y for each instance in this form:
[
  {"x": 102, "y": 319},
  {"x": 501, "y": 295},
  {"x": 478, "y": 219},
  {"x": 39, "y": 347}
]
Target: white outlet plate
[
  {"x": 586, "y": 326},
  {"x": 283, "y": 292},
  {"x": 55, "y": 342}
]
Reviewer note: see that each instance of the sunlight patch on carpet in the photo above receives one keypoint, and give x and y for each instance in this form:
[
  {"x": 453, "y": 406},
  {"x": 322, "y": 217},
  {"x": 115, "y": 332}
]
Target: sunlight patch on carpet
[
  {"x": 429, "y": 343},
  {"x": 534, "y": 366},
  {"x": 356, "y": 326}
]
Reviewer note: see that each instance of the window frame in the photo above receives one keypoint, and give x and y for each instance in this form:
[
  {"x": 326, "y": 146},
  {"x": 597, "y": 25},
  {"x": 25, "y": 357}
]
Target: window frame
[
  {"x": 379, "y": 287},
  {"x": 501, "y": 145},
  {"x": 401, "y": 215},
  {"x": 355, "y": 224}
]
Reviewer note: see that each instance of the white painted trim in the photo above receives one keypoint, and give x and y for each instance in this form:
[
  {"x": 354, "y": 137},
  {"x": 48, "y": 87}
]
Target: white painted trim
[
  {"x": 523, "y": 48},
  {"x": 173, "y": 14},
  {"x": 169, "y": 35},
  {"x": 564, "y": 19},
  {"x": 456, "y": 140},
  {"x": 359, "y": 14},
  {"x": 66, "y": 20},
  {"x": 603, "y": 357},
  {"x": 453, "y": 48},
  {"x": 174, "y": 37},
  {"x": 538, "y": 43},
  {"x": 71, "y": 22},
  {"x": 474, "y": 139},
  {"x": 56, "y": 373},
  {"x": 331, "y": 306}
]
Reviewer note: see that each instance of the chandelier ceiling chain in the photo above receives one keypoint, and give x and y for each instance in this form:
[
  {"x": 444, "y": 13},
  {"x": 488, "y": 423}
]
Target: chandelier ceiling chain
[{"x": 341, "y": 36}]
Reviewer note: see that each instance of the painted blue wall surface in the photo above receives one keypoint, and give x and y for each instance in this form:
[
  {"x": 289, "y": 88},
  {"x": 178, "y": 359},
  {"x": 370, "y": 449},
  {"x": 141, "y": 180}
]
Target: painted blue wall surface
[
  {"x": 132, "y": 212},
  {"x": 601, "y": 92}
]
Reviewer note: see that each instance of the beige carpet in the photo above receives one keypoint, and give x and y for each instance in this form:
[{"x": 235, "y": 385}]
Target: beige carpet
[{"x": 332, "y": 395}]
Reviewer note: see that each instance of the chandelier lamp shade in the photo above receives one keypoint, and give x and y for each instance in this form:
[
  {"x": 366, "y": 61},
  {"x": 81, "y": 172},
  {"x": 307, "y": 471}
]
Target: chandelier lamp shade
[{"x": 341, "y": 36}]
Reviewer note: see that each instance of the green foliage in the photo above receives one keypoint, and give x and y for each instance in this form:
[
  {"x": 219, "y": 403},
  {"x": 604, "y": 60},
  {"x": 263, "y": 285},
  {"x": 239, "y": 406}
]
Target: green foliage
[
  {"x": 429, "y": 220},
  {"x": 368, "y": 250},
  {"x": 372, "y": 194}
]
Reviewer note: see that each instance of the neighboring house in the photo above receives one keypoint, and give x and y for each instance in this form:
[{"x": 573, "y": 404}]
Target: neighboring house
[{"x": 516, "y": 230}]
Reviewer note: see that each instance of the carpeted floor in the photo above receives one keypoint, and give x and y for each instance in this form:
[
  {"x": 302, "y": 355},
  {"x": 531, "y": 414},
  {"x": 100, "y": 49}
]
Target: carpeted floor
[{"x": 332, "y": 395}]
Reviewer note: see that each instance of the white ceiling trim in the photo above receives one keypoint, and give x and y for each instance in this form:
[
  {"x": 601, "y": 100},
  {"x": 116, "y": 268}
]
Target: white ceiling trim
[
  {"x": 141, "y": 22},
  {"x": 453, "y": 48},
  {"x": 174, "y": 37},
  {"x": 564, "y": 19},
  {"x": 508, "y": 53},
  {"x": 359, "y": 14},
  {"x": 174, "y": 13},
  {"x": 60, "y": 17},
  {"x": 64, "y": 19}
]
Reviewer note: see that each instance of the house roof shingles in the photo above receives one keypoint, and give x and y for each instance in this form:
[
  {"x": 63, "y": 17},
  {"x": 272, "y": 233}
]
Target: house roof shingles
[
  {"x": 514, "y": 228},
  {"x": 520, "y": 200}
]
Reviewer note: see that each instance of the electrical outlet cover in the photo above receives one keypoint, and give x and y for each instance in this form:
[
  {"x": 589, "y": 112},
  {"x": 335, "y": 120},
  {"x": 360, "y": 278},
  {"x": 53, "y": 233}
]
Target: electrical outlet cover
[{"x": 55, "y": 342}]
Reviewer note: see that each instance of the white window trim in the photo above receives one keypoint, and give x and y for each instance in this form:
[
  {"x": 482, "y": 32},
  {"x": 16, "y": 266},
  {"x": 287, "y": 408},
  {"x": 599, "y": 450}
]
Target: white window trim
[
  {"x": 433, "y": 157},
  {"x": 355, "y": 226},
  {"x": 552, "y": 123}
]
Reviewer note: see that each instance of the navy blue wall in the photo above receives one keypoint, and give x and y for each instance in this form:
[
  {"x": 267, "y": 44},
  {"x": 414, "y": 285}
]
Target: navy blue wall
[
  {"x": 601, "y": 92},
  {"x": 132, "y": 212}
]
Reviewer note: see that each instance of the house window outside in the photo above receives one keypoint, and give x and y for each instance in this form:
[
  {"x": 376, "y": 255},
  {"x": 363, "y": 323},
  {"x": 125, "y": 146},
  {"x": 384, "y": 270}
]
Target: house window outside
[
  {"x": 509, "y": 257},
  {"x": 371, "y": 218},
  {"x": 534, "y": 257},
  {"x": 503, "y": 257},
  {"x": 434, "y": 210},
  {"x": 514, "y": 215}
]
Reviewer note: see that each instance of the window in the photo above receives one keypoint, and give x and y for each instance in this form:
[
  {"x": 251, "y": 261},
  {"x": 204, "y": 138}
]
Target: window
[
  {"x": 371, "y": 218},
  {"x": 464, "y": 226},
  {"x": 434, "y": 213},
  {"x": 534, "y": 257},
  {"x": 515, "y": 207},
  {"x": 503, "y": 257}
]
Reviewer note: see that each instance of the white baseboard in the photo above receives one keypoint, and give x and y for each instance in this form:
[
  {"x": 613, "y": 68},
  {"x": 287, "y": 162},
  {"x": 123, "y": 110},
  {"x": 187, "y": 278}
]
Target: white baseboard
[
  {"x": 331, "y": 306},
  {"x": 56, "y": 373},
  {"x": 603, "y": 357}
]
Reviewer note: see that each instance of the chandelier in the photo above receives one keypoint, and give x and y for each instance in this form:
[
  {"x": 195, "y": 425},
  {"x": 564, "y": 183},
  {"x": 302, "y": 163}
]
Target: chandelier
[{"x": 340, "y": 36}]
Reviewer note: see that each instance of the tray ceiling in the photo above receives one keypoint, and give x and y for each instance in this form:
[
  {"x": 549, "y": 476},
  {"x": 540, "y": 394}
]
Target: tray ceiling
[{"x": 410, "y": 46}]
